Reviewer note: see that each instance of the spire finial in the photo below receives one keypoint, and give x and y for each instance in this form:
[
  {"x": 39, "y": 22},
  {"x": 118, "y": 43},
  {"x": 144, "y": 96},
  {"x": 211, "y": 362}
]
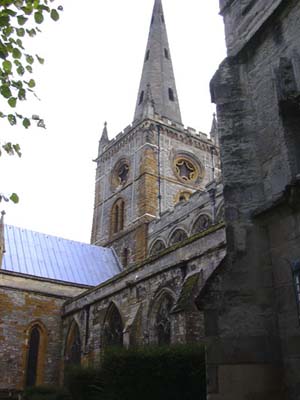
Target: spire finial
[
  {"x": 104, "y": 141},
  {"x": 214, "y": 132},
  {"x": 158, "y": 71}
]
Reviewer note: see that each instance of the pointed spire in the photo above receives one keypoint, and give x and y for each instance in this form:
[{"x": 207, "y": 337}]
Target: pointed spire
[
  {"x": 158, "y": 72},
  {"x": 104, "y": 141},
  {"x": 2, "y": 242},
  {"x": 214, "y": 132}
]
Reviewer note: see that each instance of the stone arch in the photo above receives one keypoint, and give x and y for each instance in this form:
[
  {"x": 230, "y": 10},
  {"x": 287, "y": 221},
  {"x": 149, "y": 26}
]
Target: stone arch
[
  {"x": 113, "y": 327},
  {"x": 73, "y": 344},
  {"x": 201, "y": 223},
  {"x": 182, "y": 196},
  {"x": 157, "y": 246},
  {"x": 177, "y": 235},
  {"x": 160, "y": 328},
  {"x": 35, "y": 353}
]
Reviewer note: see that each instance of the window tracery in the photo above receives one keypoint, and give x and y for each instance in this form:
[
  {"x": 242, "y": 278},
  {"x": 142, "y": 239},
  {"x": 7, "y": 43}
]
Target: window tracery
[
  {"x": 201, "y": 224},
  {"x": 178, "y": 236},
  {"x": 163, "y": 321},
  {"x": 157, "y": 247},
  {"x": 113, "y": 328}
]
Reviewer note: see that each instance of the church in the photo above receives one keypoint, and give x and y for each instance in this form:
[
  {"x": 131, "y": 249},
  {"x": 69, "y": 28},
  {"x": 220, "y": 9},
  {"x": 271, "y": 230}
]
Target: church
[{"x": 180, "y": 251}]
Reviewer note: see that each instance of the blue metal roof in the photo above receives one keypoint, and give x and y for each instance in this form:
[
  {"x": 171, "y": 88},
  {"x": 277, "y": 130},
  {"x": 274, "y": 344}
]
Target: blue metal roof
[{"x": 51, "y": 257}]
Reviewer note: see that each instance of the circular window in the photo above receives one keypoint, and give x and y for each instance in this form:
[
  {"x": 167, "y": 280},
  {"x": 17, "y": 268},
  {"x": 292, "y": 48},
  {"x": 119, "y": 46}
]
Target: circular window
[
  {"x": 120, "y": 173},
  {"x": 187, "y": 169}
]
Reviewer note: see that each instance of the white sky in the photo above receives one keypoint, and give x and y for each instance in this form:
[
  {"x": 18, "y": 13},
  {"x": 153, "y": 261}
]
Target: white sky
[{"x": 94, "y": 58}]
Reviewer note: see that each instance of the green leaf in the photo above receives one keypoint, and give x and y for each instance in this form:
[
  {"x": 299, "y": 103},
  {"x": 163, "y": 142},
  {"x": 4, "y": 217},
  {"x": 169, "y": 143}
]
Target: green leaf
[
  {"x": 17, "y": 149},
  {"x": 31, "y": 32},
  {"x": 7, "y": 65},
  {"x": 22, "y": 94},
  {"x": 8, "y": 148},
  {"x": 29, "y": 59},
  {"x": 16, "y": 53},
  {"x": 12, "y": 119},
  {"x": 40, "y": 59},
  {"x": 29, "y": 68},
  {"x": 10, "y": 12},
  {"x": 20, "y": 70},
  {"x": 14, "y": 198},
  {"x": 26, "y": 123},
  {"x": 21, "y": 20},
  {"x": 54, "y": 15},
  {"x": 12, "y": 102},
  {"x": 20, "y": 43},
  {"x": 20, "y": 32},
  {"x": 31, "y": 83},
  {"x": 5, "y": 91},
  {"x": 38, "y": 17},
  {"x": 4, "y": 20}
]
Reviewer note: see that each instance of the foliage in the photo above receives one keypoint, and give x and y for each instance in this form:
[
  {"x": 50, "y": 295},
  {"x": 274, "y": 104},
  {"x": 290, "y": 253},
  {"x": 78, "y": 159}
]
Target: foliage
[
  {"x": 19, "y": 20},
  {"x": 45, "y": 393},
  {"x": 84, "y": 383},
  {"x": 160, "y": 373}
]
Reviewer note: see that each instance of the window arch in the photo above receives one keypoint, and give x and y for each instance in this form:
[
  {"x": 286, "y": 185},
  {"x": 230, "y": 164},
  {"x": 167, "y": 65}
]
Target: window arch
[
  {"x": 157, "y": 247},
  {"x": 160, "y": 317},
  {"x": 202, "y": 223},
  {"x": 35, "y": 357},
  {"x": 182, "y": 196},
  {"x": 171, "y": 95},
  {"x": 73, "y": 345},
  {"x": 179, "y": 235},
  {"x": 163, "y": 320},
  {"x": 117, "y": 216},
  {"x": 113, "y": 327}
]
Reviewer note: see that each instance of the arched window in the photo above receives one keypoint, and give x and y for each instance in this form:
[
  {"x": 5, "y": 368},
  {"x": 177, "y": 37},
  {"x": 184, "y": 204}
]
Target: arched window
[
  {"x": 117, "y": 216},
  {"x": 113, "y": 327},
  {"x": 157, "y": 247},
  {"x": 35, "y": 355},
  {"x": 163, "y": 320},
  {"x": 73, "y": 345},
  {"x": 201, "y": 224},
  {"x": 177, "y": 236}
]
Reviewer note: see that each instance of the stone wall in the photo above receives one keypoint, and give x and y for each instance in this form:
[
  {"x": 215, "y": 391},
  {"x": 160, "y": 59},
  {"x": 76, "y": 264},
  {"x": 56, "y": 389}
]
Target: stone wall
[
  {"x": 24, "y": 302},
  {"x": 250, "y": 309}
]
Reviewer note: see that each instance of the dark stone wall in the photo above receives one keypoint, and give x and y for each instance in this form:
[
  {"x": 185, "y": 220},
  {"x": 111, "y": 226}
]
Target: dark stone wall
[{"x": 251, "y": 314}]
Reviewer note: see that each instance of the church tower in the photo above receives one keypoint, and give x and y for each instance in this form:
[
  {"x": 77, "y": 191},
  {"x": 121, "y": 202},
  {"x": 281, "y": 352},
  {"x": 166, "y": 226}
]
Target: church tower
[{"x": 154, "y": 163}]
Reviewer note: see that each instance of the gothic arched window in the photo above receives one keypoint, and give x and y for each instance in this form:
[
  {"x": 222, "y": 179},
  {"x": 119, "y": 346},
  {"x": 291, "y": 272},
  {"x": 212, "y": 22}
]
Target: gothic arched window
[
  {"x": 35, "y": 356},
  {"x": 201, "y": 224},
  {"x": 117, "y": 216},
  {"x": 177, "y": 236},
  {"x": 163, "y": 321},
  {"x": 73, "y": 345},
  {"x": 157, "y": 247},
  {"x": 113, "y": 328}
]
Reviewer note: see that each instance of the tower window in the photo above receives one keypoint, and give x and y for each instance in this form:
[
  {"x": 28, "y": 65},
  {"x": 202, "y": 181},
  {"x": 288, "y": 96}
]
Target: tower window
[
  {"x": 167, "y": 54},
  {"x": 147, "y": 55},
  {"x": 117, "y": 216},
  {"x": 171, "y": 95},
  {"x": 162, "y": 18},
  {"x": 152, "y": 20},
  {"x": 141, "y": 97}
]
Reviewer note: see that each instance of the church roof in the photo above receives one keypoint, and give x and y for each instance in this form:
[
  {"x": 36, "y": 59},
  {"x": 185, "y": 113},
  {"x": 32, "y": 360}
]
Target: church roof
[
  {"x": 158, "y": 75},
  {"x": 51, "y": 257}
]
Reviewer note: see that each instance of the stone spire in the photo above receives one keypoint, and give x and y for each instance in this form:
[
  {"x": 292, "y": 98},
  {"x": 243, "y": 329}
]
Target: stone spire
[
  {"x": 214, "y": 133},
  {"x": 2, "y": 242},
  {"x": 158, "y": 72},
  {"x": 104, "y": 141}
]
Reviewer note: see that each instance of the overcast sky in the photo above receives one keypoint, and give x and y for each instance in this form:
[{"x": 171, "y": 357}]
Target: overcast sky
[{"x": 94, "y": 58}]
